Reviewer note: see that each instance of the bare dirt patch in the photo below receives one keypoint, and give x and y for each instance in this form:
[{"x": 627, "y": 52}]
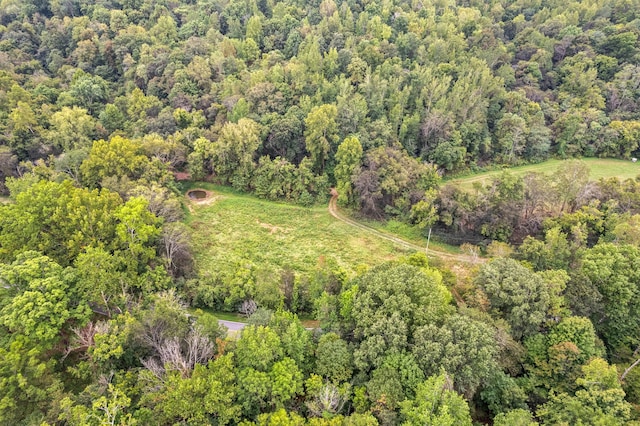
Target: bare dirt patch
[
  {"x": 272, "y": 228},
  {"x": 200, "y": 197},
  {"x": 180, "y": 176}
]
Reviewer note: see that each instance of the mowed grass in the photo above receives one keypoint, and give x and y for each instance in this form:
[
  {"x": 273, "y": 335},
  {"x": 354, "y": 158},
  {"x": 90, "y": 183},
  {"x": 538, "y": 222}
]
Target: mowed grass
[
  {"x": 600, "y": 168},
  {"x": 234, "y": 229}
]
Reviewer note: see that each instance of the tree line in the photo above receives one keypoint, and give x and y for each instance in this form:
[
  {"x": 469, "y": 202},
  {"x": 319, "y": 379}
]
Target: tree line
[{"x": 105, "y": 318}]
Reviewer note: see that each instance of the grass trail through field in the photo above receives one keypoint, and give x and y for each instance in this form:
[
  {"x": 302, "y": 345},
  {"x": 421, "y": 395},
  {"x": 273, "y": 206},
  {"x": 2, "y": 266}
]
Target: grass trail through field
[
  {"x": 231, "y": 230},
  {"x": 333, "y": 210}
]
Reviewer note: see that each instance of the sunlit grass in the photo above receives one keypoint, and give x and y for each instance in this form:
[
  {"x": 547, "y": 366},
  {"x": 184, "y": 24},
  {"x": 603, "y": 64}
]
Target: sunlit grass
[
  {"x": 237, "y": 228},
  {"x": 600, "y": 168}
]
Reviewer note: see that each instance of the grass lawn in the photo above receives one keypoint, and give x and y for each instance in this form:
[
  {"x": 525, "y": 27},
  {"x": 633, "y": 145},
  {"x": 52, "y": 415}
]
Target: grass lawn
[
  {"x": 233, "y": 228},
  {"x": 600, "y": 168}
]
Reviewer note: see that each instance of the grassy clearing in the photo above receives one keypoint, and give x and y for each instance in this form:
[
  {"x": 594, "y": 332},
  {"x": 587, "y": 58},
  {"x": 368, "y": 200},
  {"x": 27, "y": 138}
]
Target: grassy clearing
[
  {"x": 600, "y": 168},
  {"x": 4, "y": 200},
  {"x": 237, "y": 228}
]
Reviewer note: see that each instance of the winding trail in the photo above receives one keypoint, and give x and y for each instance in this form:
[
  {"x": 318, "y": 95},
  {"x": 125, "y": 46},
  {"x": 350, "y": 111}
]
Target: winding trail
[{"x": 333, "y": 210}]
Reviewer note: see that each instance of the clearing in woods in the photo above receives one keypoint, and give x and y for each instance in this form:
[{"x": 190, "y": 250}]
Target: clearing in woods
[
  {"x": 238, "y": 228},
  {"x": 600, "y": 168}
]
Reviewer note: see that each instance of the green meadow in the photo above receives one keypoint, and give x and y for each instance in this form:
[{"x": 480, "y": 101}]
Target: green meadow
[
  {"x": 600, "y": 168},
  {"x": 230, "y": 227}
]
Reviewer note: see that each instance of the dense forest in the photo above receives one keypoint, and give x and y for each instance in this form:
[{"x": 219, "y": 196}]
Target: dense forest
[{"x": 106, "y": 318}]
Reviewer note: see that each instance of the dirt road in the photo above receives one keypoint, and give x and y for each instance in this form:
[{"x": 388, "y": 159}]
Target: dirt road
[{"x": 333, "y": 210}]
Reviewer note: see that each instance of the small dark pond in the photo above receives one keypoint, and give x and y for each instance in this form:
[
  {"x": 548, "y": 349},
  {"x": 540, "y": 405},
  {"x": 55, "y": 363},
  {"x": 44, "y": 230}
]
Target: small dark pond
[{"x": 197, "y": 194}]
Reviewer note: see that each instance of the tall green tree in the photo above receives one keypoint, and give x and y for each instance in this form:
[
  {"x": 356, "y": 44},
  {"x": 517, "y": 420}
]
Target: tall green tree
[
  {"x": 232, "y": 155},
  {"x": 516, "y": 294},
  {"x": 348, "y": 160},
  {"x": 58, "y": 220},
  {"x": 321, "y": 135},
  {"x": 436, "y": 403},
  {"x": 390, "y": 303},
  {"x": 599, "y": 400},
  {"x": 117, "y": 157},
  {"x": 462, "y": 346},
  {"x": 71, "y": 128}
]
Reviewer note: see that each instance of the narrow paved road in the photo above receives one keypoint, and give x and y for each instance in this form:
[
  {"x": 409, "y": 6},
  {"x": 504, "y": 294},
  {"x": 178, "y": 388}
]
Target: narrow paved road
[
  {"x": 235, "y": 326},
  {"x": 333, "y": 210},
  {"x": 232, "y": 325}
]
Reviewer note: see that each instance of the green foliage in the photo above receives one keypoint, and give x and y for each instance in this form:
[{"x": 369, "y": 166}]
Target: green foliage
[
  {"x": 612, "y": 272},
  {"x": 394, "y": 381},
  {"x": 519, "y": 417},
  {"x": 555, "y": 359},
  {"x": 580, "y": 332},
  {"x": 232, "y": 154},
  {"x": 436, "y": 403},
  {"x": 389, "y": 180},
  {"x": 555, "y": 252},
  {"x": 137, "y": 230},
  {"x": 334, "y": 359},
  {"x": 391, "y": 302},
  {"x": 348, "y": 160},
  {"x": 209, "y": 393},
  {"x": 28, "y": 384},
  {"x": 38, "y": 305},
  {"x": 107, "y": 409},
  {"x": 516, "y": 294},
  {"x": 424, "y": 213},
  {"x": 258, "y": 348},
  {"x": 285, "y": 99},
  {"x": 266, "y": 377},
  {"x": 599, "y": 400},
  {"x": 117, "y": 157},
  {"x": 462, "y": 346},
  {"x": 321, "y": 135},
  {"x": 58, "y": 220},
  {"x": 296, "y": 340},
  {"x": 278, "y": 179},
  {"x": 503, "y": 393},
  {"x": 37, "y": 301},
  {"x": 72, "y": 128}
]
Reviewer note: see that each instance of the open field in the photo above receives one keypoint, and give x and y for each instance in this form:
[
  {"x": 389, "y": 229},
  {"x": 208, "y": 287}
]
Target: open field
[
  {"x": 600, "y": 168},
  {"x": 232, "y": 228}
]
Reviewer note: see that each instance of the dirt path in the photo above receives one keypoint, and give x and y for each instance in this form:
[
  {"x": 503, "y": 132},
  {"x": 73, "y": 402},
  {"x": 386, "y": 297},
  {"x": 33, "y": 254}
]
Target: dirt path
[{"x": 333, "y": 210}]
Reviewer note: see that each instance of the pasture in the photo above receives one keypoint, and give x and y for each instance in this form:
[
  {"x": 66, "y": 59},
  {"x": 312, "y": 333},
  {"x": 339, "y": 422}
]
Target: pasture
[
  {"x": 231, "y": 228},
  {"x": 600, "y": 168}
]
